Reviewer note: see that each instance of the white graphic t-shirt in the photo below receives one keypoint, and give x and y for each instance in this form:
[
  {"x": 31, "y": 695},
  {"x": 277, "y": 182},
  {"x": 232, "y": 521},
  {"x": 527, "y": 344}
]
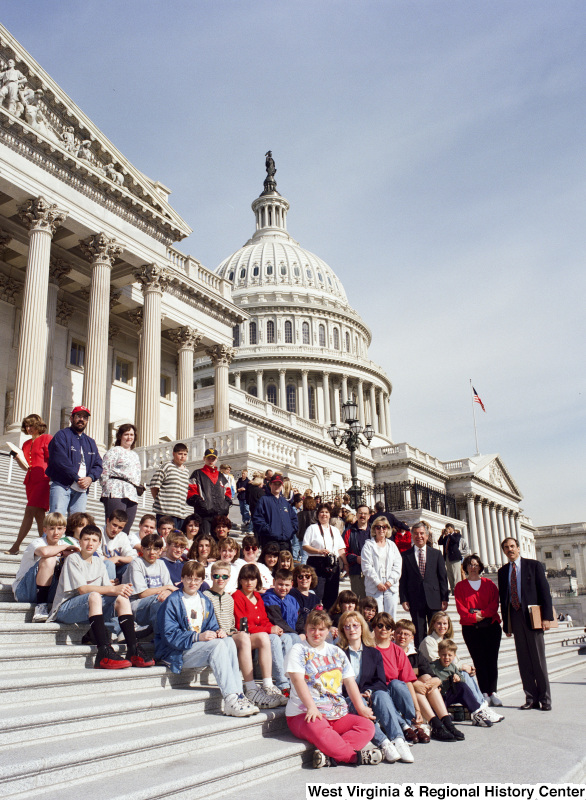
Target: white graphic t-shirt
[{"x": 324, "y": 668}]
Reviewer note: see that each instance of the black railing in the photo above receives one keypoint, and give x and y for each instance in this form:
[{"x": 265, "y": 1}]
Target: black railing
[{"x": 404, "y": 496}]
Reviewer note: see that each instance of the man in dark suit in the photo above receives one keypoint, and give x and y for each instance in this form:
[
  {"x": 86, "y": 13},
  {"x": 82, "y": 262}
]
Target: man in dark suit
[
  {"x": 423, "y": 587},
  {"x": 522, "y": 583}
]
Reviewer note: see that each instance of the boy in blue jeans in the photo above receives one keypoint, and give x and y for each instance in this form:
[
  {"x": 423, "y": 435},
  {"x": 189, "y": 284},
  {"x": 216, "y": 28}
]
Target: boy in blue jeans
[
  {"x": 85, "y": 594},
  {"x": 150, "y": 581},
  {"x": 188, "y": 636}
]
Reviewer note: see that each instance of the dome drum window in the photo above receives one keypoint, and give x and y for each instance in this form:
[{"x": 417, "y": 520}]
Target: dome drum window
[
  {"x": 252, "y": 333},
  {"x": 336, "y": 339},
  {"x": 270, "y": 332},
  {"x": 322, "y": 336},
  {"x": 288, "y": 332},
  {"x": 272, "y": 394},
  {"x": 292, "y": 398},
  {"x": 305, "y": 333}
]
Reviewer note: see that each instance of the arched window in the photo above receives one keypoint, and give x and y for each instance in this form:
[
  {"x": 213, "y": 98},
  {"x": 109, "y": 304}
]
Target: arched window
[
  {"x": 292, "y": 398},
  {"x": 296, "y": 272},
  {"x": 269, "y": 269},
  {"x": 231, "y": 276},
  {"x": 283, "y": 269},
  {"x": 243, "y": 273},
  {"x": 347, "y": 342},
  {"x": 336, "y": 339},
  {"x": 272, "y": 394},
  {"x": 322, "y": 335},
  {"x": 255, "y": 271},
  {"x": 252, "y": 332},
  {"x": 288, "y": 332},
  {"x": 305, "y": 332},
  {"x": 311, "y": 401},
  {"x": 236, "y": 336},
  {"x": 252, "y": 390},
  {"x": 270, "y": 332}
]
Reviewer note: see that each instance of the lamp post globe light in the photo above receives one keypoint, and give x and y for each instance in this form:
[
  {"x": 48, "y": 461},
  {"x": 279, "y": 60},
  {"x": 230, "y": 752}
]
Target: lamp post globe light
[{"x": 351, "y": 436}]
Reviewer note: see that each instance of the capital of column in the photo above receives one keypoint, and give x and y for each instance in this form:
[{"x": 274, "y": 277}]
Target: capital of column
[
  {"x": 58, "y": 270},
  {"x": 470, "y": 496},
  {"x": 64, "y": 312},
  {"x": 99, "y": 249},
  {"x": 237, "y": 375},
  {"x": 305, "y": 372},
  {"x": 221, "y": 354},
  {"x": 40, "y": 215},
  {"x": 283, "y": 372},
  {"x": 152, "y": 278},
  {"x": 185, "y": 338},
  {"x": 136, "y": 317},
  {"x": 5, "y": 239},
  {"x": 259, "y": 372},
  {"x": 114, "y": 297}
]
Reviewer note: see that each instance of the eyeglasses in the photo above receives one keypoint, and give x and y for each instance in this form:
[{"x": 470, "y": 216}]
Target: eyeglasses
[
  {"x": 304, "y": 577},
  {"x": 352, "y": 626},
  {"x": 382, "y": 625},
  {"x": 250, "y": 547},
  {"x": 382, "y": 527},
  {"x": 220, "y": 577}
]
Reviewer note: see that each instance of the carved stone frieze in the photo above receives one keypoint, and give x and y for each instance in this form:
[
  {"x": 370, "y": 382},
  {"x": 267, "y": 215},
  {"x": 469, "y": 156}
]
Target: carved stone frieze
[
  {"x": 58, "y": 270},
  {"x": 113, "y": 331},
  {"x": 40, "y": 215},
  {"x": 114, "y": 297},
  {"x": 5, "y": 239},
  {"x": 9, "y": 288},
  {"x": 185, "y": 338},
  {"x": 496, "y": 476},
  {"x": 152, "y": 277},
  {"x": 221, "y": 354},
  {"x": 100, "y": 249},
  {"x": 136, "y": 317},
  {"x": 64, "y": 312}
]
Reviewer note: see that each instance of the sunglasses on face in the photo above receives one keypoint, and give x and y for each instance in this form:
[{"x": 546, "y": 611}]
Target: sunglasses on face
[
  {"x": 249, "y": 547},
  {"x": 382, "y": 625},
  {"x": 381, "y": 528},
  {"x": 220, "y": 577},
  {"x": 352, "y": 626}
]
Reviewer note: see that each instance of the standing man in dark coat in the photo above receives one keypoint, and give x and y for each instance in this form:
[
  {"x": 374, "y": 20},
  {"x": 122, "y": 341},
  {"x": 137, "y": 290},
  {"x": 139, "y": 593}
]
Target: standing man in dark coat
[
  {"x": 394, "y": 522},
  {"x": 522, "y": 583},
  {"x": 354, "y": 538},
  {"x": 209, "y": 491},
  {"x": 274, "y": 519},
  {"x": 423, "y": 587}
]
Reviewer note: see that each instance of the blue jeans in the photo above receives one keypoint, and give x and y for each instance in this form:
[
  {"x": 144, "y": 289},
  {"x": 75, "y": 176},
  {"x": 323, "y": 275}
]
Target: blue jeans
[
  {"x": 387, "y": 716},
  {"x": 76, "y": 609},
  {"x": 221, "y": 656},
  {"x": 245, "y": 514},
  {"x": 26, "y": 589},
  {"x": 379, "y": 735},
  {"x": 65, "y": 500},
  {"x": 278, "y": 662},
  {"x": 473, "y": 686},
  {"x": 145, "y": 610},
  {"x": 296, "y": 550},
  {"x": 402, "y": 700}
]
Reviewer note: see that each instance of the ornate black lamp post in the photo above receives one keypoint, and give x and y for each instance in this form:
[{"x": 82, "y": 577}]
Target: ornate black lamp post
[{"x": 352, "y": 438}]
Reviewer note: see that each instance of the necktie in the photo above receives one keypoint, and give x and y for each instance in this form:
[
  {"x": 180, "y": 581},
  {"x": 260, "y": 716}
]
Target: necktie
[
  {"x": 422, "y": 564},
  {"x": 514, "y": 590}
]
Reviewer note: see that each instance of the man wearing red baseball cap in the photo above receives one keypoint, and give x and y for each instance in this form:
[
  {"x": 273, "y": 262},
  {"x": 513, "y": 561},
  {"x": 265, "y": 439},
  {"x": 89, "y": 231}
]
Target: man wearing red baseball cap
[
  {"x": 209, "y": 491},
  {"x": 74, "y": 463},
  {"x": 274, "y": 519}
]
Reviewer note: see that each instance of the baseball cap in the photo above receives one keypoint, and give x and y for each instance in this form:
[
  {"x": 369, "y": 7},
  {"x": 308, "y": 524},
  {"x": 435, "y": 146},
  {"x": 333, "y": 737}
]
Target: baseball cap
[
  {"x": 81, "y": 410},
  {"x": 276, "y": 479},
  {"x": 211, "y": 451}
]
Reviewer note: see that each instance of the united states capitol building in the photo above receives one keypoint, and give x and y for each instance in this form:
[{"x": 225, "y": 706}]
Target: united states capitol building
[{"x": 255, "y": 357}]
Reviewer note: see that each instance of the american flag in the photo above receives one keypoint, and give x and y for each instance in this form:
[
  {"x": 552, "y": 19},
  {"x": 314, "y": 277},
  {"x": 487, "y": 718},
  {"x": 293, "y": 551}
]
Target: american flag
[{"x": 478, "y": 400}]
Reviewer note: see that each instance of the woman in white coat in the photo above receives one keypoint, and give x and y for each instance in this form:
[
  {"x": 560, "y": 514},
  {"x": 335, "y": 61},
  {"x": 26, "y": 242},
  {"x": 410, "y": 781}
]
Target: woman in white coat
[{"x": 381, "y": 566}]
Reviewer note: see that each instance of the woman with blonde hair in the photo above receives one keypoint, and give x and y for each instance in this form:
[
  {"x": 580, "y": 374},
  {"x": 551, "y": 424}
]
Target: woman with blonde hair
[
  {"x": 381, "y": 566},
  {"x": 36, "y": 457}
]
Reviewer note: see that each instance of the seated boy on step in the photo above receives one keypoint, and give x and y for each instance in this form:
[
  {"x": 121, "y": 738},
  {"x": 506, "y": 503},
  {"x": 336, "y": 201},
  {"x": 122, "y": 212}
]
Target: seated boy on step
[
  {"x": 35, "y": 581},
  {"x": 116, "y": 547},
  {"x": 188, "y": 636},
  {"x": 86, "y": 594},
  {"x": 150, "y": 579},
  {"x": 172, "y": 555},
  {"x": 453, "y": 688}
]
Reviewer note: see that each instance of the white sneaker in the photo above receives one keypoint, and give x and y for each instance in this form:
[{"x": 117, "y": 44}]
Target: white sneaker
[
  {"x": 236, "y": 705},
  {"x": 320, "y": 760},
  {"x": 402, "y": 748},
  {"x": 41, "y": 613},
  {"x": 390, "y": 752},
  {"x": 263, "y": 699},
  {"x": 494, "y": 700},
  {"x": 492, "y": 715},
  {"x": 274, "y": 690},
  {"x": 371, "y": 755},
  {"x": 480, "y": 719}
]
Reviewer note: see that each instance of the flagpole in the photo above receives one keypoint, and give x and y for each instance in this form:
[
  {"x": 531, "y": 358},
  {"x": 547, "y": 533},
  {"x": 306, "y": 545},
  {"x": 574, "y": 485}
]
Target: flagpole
[{"x": 474, "y": 418}]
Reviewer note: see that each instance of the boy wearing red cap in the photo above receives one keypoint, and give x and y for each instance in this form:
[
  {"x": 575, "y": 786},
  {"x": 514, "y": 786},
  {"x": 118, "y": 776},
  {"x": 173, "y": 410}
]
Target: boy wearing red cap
[{"x": 209, "y": 491}]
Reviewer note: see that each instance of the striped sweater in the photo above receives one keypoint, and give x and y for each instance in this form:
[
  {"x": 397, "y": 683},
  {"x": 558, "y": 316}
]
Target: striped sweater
[
  {"x": 224, "y": 608},
  {"x": 172, "y": 482}
]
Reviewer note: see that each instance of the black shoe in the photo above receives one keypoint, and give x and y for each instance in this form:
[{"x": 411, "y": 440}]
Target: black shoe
[
  {"x": 528, "y": 704},
  {"x": 442, "y": 734},
  {"x": 546, "y": 706},
  {"x": 451, "y": 728}
]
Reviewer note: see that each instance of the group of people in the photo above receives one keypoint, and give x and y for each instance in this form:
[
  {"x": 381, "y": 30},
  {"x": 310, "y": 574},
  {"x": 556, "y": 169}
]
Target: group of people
[{"x": 210, "y": 601}]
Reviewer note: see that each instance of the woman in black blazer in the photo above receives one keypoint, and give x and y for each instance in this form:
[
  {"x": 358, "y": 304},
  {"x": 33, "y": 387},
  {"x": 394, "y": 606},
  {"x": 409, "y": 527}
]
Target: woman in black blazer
[{"x": 356, "y": 640}]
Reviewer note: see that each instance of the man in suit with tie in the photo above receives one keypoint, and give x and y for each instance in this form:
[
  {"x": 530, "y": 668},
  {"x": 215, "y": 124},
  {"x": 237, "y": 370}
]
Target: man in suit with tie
[
  {"x": 522, "y": 583},
  {"x": 423, "y": 587}
]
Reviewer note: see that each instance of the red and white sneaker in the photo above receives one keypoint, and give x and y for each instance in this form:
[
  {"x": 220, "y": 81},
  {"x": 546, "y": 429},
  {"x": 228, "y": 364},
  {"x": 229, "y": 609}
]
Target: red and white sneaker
[
  {"x": 141, "y": 659},
  {"x": 108, "y": 659}
]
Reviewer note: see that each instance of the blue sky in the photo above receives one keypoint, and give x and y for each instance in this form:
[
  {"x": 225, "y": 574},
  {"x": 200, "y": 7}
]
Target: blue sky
[{"x": 433, "y": 155}]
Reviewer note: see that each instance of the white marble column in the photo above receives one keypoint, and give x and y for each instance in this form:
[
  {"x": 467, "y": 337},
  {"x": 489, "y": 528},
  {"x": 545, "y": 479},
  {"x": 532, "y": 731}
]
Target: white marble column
[
  {"x": 58, "y": 269},
  {"x": 186, "y": 339},
  {"x": 337, "y": 419},
  {"x": 327, "y": 399},
  {"x": 373, "y": 415},
  {"x": 260, "y": 392},
  {"x": 361, "y": 416},
  {"x": 507, "y": 520},
  {"x": 381, "y": 414},
  {"x": 500, "y": 523},
  {"x": 42, "y": 219},
  {"x": 488, "y": 533},
  {"x": 498, "y": 553},
  {"x": 101, "y": 251},
  {"x": 283, "y": 389},
  {"x": 154, "y": 280},
  {"x": 221, "y": 356},
  {"x": 305, "y": 394},
  {"x": 388, "y": 416},
  {"x": 237, "y": 380},
  {"x": 344, "y": 389},
  {"x": 472, "y": 524},
  {"x": 480, "y": 528}
]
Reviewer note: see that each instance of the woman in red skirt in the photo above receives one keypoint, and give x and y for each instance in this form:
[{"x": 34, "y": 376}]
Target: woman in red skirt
[{"x": 36, "y": 454}]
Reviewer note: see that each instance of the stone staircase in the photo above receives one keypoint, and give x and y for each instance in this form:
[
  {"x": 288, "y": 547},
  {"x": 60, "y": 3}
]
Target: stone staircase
[{"x": 68, "y": 730}]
